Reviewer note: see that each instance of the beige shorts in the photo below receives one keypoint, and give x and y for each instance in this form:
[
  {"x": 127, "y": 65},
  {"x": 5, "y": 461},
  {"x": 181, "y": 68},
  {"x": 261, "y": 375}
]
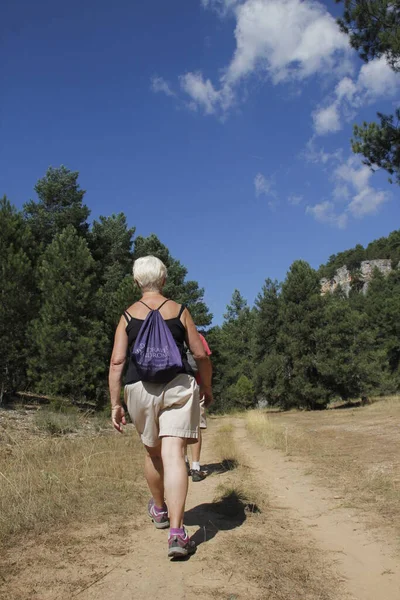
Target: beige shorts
[
  {"x": 164, "y": 409},
  {"x": 203, "y": 418}
]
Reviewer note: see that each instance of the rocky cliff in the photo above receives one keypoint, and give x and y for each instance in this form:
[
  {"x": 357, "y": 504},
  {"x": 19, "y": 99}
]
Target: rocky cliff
[{"x": 343, "y": 277}]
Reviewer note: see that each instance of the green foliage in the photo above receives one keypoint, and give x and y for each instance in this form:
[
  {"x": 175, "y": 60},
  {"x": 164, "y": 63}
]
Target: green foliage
[
  {"x": 231, "y": 345},
  {"x": 60, "y": 204},
  {"x": 305, "y": 349},
  {"x": 67, "y": 342},
  {"x": 374, "y": 30},
  {"x": 64, "y": 287},
  {"x": 269, "y": 379},
  {"x": 110, "y": 241},
  {"x": 301, "y": 315},
  {"x": 349, "y": 363},
  {"x": 380, "y": 144},
  {"x": 382, "y": 305},
  {"x": 266, "y": 319},
  {"x": 266, "y": 328},
  {"x": 241, "y": 394},
  {"x": 16, "y": 302}
]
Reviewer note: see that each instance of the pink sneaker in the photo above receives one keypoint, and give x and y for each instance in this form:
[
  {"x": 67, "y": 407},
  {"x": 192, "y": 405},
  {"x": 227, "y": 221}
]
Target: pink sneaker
[
  {"x": 180, "y": 545},
  {"x": 160, "y": 519}
]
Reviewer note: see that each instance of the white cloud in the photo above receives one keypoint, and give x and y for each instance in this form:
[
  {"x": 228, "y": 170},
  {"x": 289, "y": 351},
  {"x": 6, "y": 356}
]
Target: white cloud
[
  {"x": 353, "y": 172},
  {"x": 315, "y": 155},
  {"x": 264, "y": 186},
  {"x": 325, "y": 213},
  {"x": 355, "y": 175},
  {"x": 341, "y": 192},
  {"x": 295, "y": 199},
  {"x": 201, "y": 92},
  {"x": 375, "y": 79},
  {"x": 351, "y": 181},
  {"x": 158, "y": 84},
  {"x": 327, "y": 120},
  {"x": 289, "y": 40},
  {"x": 346, "y": 88},
  {"x": 367, "y": 202}
]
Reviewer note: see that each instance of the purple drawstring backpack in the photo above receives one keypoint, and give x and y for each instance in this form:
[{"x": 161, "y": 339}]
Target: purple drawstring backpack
[{"x": 155, "y": 353}]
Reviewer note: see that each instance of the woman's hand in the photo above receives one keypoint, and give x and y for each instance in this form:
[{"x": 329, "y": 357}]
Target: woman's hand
[
  {"x": 206, "y": 393},
  {"x": 118, "y": 417}
]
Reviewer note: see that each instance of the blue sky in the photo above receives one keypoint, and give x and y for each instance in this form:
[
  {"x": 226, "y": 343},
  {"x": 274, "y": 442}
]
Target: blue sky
[{"x": 223, "y": 126}]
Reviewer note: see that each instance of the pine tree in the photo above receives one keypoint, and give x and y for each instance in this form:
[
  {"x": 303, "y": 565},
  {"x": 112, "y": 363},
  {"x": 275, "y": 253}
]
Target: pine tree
[
  {"x": 382, "y": 305},
  {"x": 266, "y": 328},
  {"x": 349, "y": 362},
  {"x": 373, "y": 27},
  {"x": 60, "y": 204},
  {"x": 266, "y": 319},
  {"x": 16, "y": 302},
  {"x": 241, "y": 394},
  {"x": 67, "y": 342},
  {"x": 235, "y": 349},
  {"x": 298, "y": 380},
  {"x": 111, "y": 242}
]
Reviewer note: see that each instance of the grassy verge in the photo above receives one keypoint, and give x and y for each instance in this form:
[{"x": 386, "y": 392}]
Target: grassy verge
[
  {"x": 48, "y": 481},
  {"x": 353, "y": 451}
]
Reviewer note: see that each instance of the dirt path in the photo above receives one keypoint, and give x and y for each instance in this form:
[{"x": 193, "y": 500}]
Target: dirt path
[
  {"x": 370, "y": 570},
  {"x": 303, "y": 545},
  {"x": 147, "y": 574}
]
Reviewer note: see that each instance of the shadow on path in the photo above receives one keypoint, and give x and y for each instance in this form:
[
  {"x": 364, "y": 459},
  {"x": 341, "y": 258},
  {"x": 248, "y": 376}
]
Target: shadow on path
[
  {"x": 228, "y": 464},
  {"x": 211, "y": 517}
]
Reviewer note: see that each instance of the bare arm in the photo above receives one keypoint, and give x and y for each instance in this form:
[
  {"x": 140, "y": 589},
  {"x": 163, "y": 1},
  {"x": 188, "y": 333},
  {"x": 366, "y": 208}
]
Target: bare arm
[
  {"x": 117, "y": 364},
  {"x": 203, "y": 362}
]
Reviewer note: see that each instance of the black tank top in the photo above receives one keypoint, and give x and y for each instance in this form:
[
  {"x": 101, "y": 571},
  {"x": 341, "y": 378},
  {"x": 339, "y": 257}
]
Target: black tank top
[{"x": 178, "y": 331}]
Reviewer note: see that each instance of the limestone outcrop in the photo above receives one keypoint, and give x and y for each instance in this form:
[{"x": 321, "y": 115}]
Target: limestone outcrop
[{"x": 343, "y": 277}]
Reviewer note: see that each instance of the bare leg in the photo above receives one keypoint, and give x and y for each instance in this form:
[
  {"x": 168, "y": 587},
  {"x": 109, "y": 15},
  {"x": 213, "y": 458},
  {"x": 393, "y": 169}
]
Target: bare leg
[
  {"x": 196, "y": 448},
  {"x": 175, "y": 478},
  {"x": 154, "y": 473}
]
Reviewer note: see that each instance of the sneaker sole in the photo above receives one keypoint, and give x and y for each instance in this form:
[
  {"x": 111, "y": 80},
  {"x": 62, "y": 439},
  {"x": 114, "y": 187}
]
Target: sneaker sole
[
  {"x": 197, "y": 480},
  {"x": 180, "y": 552},
  {"x": 160, "y": 525}
]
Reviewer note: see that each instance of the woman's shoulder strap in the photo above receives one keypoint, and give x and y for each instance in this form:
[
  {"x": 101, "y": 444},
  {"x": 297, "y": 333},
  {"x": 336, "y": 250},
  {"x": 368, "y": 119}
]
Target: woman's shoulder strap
[
  {"x": 127, "y": 316},
  {"x": 161, "y": 305},
  {"x": 146, "y": 305},
  {"x": 183, "y": 307}
]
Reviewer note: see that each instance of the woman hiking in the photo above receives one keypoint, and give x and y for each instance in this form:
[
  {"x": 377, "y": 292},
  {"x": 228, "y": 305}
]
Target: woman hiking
[{"x": 161, "y": 394}]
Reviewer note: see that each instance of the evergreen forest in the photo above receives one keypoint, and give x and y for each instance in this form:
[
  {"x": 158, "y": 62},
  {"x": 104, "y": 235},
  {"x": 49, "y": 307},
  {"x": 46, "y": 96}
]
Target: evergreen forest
[{"x": 65, "y": 283}]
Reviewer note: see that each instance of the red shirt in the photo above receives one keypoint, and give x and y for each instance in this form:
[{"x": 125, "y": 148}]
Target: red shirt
[{"x": 208, "y": 352}]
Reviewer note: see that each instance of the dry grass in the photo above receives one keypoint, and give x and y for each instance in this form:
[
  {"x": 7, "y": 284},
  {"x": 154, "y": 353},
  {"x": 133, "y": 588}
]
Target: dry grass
[
  {"x": 265, "y": 431},
  {"x": 224, "y": 447},
  {"x": 65, "y": 500},
  {"x": 58, "y": 422},
  {"x": 381, "y": 404},
  {"x": 47, "y": 481},
  {"x": 354, "y": 451},
  {"x": 272, "y": 556}
]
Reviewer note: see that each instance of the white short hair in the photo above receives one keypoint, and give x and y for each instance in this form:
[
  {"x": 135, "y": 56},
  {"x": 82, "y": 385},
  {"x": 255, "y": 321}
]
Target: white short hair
[{"x": 150, "y": 273}]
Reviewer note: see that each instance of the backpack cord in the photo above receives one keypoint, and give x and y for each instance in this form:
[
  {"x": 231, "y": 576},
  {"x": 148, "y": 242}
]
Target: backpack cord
[{"x": 161, "y": 305}]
